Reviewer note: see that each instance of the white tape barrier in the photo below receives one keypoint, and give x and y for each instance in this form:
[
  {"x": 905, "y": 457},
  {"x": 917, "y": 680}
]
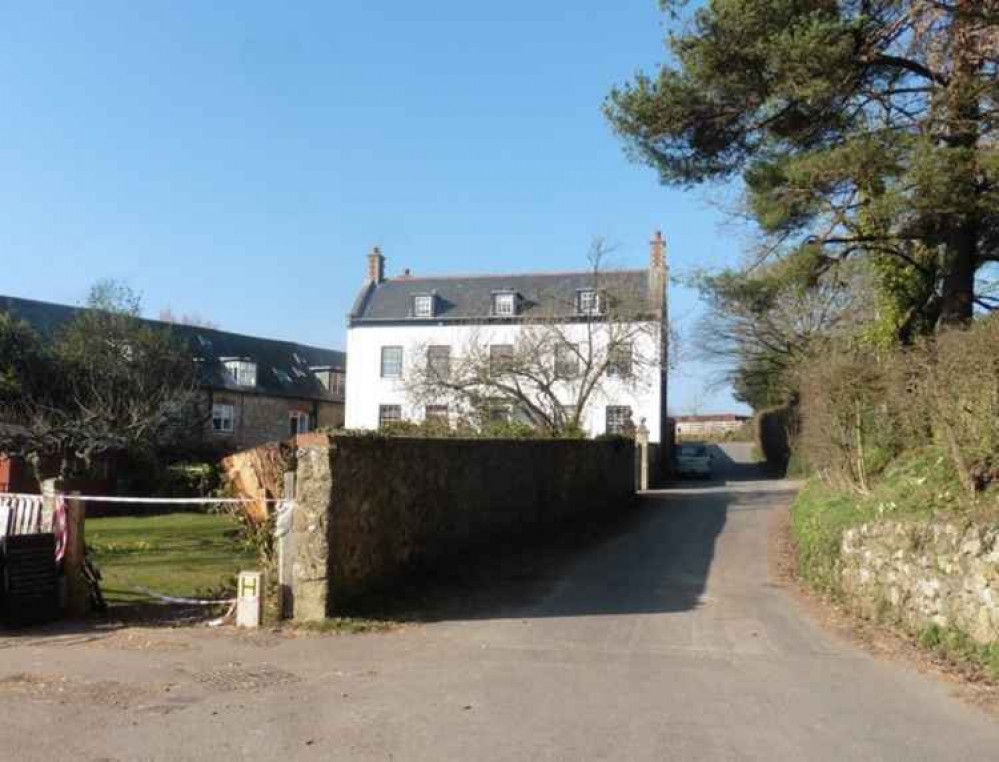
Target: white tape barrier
[
  {"x": 150, "y": 500},
  {"x": 218, "y": 622},
  {"x": 282, "y": 518},
  {"x": 10, "y": 502},
  {"x": 185, "y": 601},
  {"x": 175, "y": 500}
]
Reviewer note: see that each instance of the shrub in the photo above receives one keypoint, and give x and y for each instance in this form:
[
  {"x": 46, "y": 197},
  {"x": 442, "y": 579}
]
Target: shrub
[
  {"x": 499, "y": 429},
  {"x": 860, "y": 410},
  {"x": 775, "y": 431}
]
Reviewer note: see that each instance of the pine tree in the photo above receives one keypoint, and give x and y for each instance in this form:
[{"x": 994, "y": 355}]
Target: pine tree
[{"x": 860, "y": 129}]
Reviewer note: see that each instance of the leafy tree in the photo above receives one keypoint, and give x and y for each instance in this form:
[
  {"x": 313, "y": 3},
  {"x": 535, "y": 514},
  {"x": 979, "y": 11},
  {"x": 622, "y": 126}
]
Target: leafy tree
[
  {"x": 860, "y": 128},
  {"x": 113, "y": 384},
  {"x": 25, "y": 363}
]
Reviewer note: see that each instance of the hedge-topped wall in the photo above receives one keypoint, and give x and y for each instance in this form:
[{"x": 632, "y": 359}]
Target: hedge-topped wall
[{"x": 370, "y": 508}]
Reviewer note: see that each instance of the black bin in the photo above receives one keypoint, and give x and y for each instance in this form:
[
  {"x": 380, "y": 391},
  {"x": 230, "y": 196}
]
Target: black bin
[{"x": 30, "y": 579}]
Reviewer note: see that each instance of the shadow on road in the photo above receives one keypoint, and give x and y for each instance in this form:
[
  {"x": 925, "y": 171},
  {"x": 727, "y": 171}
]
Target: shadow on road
[
  {"x": 727, "y": 469},
  {"x": 652, "y": 557}
]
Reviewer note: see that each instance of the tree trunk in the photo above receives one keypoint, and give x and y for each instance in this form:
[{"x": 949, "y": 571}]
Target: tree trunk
[
  {"x": 957, "y": 302},
  {"x": 963, "y": 115}
]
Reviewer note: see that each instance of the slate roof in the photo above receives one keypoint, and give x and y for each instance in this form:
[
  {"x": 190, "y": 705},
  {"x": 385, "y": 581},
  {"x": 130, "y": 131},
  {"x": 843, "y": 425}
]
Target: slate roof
[
  {"x": 283, "y": 367},
  {"x": 469, "y": 298}
]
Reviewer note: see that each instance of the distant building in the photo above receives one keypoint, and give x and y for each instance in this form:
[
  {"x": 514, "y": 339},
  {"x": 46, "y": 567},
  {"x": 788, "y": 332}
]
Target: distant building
[
  {"x": 257, "y": 390},
  {"x": 693, "y": 426},
  {"x": 404, "y": 322}
]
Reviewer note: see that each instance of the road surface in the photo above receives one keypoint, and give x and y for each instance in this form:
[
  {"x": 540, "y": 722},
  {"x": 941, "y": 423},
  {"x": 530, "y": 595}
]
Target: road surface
[{"x": 664, "y": 641}]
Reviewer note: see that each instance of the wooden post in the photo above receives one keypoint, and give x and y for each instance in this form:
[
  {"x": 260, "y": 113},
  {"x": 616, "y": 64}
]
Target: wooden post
[
  {"x": 283, "y": 538},
  {"x": 77, "y": 589}
]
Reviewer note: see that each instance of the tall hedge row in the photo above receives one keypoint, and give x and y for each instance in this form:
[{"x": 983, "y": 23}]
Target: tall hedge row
[{"x": 861, "y": 409}]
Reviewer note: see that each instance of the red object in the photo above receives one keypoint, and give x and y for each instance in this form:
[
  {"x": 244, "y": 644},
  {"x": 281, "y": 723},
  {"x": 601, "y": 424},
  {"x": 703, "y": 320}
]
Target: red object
[
  {"x": 60, "y": 528},
  {"x": 15, "y": 476}
]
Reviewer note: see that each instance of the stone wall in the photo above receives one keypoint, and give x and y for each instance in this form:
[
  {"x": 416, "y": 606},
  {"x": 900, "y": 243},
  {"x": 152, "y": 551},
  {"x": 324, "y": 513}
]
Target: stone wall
[
  {"x": 926, "y": 573},
  {"x": 370, "y": 508},
  {"x": 330, "y": 415},
  {"x": 261, "y": 418}
]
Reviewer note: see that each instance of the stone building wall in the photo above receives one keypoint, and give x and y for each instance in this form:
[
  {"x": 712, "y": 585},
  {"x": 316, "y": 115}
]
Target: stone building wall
[
  {"x": 260, "y": 418},
  {"x": 370, "y": 508},
  {"x": 926, "y": 573},
  {"x": 266, "y": 419},
  {"x": 331, "y": 415}
]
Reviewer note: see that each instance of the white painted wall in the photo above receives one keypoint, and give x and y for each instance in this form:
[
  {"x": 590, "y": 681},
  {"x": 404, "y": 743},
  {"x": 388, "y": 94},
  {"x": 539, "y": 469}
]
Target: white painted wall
[{"x": 367, "y": 390}]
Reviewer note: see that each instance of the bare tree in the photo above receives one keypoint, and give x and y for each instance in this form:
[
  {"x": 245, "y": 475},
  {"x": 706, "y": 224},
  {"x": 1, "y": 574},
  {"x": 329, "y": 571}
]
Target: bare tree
[
  {"x": 760, "y": 329},
  {"x": 554, "y": 366}
]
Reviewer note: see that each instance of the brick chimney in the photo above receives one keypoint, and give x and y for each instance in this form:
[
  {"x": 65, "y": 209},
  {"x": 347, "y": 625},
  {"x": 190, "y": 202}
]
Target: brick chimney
[
  {"x": 657, "y": 254},
  {"x": 659, "y": 304},
  {"x": 658, "y": 274},
  {"x": 376, "y": 266}
]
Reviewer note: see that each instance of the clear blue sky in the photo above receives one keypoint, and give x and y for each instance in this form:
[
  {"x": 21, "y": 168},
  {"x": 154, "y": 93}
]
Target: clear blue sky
[{"x": 238, "y": 160}]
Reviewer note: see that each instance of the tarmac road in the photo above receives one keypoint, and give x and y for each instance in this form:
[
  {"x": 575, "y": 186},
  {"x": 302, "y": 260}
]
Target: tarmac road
[{"x": 666, "y": 640}]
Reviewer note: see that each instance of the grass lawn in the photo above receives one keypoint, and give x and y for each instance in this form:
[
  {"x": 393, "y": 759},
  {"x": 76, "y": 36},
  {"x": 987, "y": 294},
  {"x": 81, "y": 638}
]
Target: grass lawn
[{"x": 181, "y": 554}]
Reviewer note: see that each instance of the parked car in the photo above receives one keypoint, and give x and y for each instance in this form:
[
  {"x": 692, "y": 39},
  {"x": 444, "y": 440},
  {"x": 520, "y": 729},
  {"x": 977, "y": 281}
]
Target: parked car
[{"x": 693, "y": 460}]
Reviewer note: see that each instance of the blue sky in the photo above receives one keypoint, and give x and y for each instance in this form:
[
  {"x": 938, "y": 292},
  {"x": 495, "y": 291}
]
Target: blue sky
[{"x": 238, "y": 160}]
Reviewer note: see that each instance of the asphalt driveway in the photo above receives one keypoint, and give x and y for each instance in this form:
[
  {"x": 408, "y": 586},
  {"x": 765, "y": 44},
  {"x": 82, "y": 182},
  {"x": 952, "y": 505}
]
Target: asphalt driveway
[{"x": 664, "y": 640}]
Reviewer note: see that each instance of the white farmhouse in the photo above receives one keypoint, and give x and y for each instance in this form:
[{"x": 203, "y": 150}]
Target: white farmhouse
[{"x": 600, "y": 340}]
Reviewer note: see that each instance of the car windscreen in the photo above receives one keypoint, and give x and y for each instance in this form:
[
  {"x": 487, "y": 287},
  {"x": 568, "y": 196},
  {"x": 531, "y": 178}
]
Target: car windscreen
[{"x": 693, "y": 451}]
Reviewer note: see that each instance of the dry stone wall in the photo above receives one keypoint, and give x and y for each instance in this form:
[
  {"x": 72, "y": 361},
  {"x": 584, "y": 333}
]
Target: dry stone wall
[
  {"x": 370, "y": 508},
  {"x": 926, "y": 573}
]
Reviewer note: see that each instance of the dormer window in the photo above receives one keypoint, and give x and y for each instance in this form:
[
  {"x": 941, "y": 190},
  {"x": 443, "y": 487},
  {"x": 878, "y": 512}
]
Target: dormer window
[
  {"x": 589, "y": 302},
  {"x": 504, "y": 305},
  {"x": 337, "y": 383},
  {"x": 332, "y": 379},
  {"x": 243, "y": 372},
  {"x": 423, "y": 306}
]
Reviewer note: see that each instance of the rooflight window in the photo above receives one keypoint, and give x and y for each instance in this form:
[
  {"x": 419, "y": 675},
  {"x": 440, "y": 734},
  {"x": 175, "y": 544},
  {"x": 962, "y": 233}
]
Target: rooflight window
[
  {"x": 423, "y": 306},
  {"x": 243, "y": 372},
  {"x": 504, "y": 305}
]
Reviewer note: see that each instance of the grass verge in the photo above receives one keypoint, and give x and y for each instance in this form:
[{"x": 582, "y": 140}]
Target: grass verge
[
  {"x": 953, "y": 645},
  {"x": 177, "y": 554},
  {"x": 916, "y": 486}
]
